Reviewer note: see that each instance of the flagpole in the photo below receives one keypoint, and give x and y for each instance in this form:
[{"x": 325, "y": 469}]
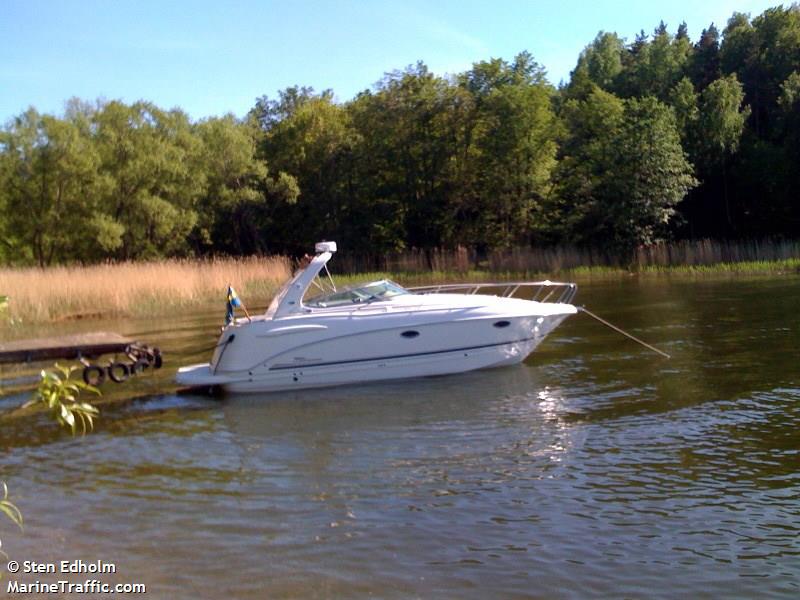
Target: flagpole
[{"x": 232, "y": 305}]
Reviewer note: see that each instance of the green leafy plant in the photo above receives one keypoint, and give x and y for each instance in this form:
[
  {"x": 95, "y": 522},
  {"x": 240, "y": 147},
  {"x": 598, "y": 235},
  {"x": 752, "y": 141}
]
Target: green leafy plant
[
  {"x": 11, "y": 511},
  {"x": 60, "y": 395},
  {"x": 8, "y": 507}
]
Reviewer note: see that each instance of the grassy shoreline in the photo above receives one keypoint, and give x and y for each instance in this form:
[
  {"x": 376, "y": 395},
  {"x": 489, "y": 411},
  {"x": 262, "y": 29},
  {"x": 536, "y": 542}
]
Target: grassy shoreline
[
  {"x": 137, "y": 289},
  {"x": 133, "y": 289}
]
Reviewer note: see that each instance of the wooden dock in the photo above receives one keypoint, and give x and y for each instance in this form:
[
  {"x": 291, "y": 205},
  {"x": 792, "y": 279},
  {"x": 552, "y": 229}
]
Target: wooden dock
[{"x": 74, "y": 347}]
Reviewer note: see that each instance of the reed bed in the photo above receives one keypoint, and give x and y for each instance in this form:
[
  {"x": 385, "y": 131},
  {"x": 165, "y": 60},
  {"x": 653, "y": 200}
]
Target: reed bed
[
  {"x": 712, "y": 252},
  {"x": 688, "y": 256},
  {"x": 119, "y": 289},
  {"x": 464, "y": 261}
]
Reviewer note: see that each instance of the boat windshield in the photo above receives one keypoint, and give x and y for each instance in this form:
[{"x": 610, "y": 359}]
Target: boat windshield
[{"x": 377, "y": 291}]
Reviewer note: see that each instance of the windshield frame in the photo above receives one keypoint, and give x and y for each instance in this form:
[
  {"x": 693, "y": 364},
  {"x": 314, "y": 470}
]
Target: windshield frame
[{"x": 359, "y": 294}]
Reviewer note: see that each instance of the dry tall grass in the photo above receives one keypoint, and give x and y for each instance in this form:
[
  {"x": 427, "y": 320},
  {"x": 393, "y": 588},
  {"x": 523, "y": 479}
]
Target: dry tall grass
[
  {"x": 38, "y": 295},
  {"x": 136, "y": 288}
]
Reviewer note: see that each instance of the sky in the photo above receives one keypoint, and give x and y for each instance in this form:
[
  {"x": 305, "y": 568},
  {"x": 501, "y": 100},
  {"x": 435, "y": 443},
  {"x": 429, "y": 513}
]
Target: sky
[{"x": 212, "y": 57}]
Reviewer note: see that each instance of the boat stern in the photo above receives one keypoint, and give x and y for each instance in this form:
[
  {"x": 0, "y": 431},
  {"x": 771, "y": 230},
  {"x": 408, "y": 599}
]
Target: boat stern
[{"x": 199, "y": 375}]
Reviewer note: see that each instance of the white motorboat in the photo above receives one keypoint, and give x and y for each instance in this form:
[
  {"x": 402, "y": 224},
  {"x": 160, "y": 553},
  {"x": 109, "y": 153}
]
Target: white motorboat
[{"x": 379, "y": 331}]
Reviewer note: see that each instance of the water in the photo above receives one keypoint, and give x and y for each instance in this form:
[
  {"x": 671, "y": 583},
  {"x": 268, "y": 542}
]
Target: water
[{"x": 596, "y": 469}]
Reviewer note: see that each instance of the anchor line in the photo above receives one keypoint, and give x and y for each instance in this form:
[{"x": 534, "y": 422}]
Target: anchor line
[
  {"x": 625, "y": 333},
  {"x": 209, "y": 348}
]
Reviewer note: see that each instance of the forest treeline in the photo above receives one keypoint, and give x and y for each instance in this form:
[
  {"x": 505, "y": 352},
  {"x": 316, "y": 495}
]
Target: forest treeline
[{"x": 656, "y": 138}]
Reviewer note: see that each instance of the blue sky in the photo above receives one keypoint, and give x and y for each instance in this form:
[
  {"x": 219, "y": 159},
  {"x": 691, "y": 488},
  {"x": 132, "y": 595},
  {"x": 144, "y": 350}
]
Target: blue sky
[{"x": 214, "y": 57}]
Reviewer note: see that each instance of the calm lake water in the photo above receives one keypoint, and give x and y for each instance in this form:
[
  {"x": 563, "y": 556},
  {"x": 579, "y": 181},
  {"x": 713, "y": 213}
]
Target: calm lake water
[{"x": 596, "y": 469}]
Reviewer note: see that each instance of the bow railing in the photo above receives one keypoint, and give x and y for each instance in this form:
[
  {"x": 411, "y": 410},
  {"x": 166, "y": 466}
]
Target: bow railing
[{"x": 539, "y": 291}]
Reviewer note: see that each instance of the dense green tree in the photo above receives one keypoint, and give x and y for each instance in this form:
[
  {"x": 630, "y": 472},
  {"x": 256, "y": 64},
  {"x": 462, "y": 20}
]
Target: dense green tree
[
  {"x": 491, "y": 157},
  {"x": 704, "y": 63},
  {"x": 268, "y": 112},
  {"x": 712, "y": 124},
  {"x": 312, "y": 140},
  {"x": 683, "y": 100},
  {"x": 789, "y": 121},
  {"x": 722, "y": 119},
  {"x": 652, "y": 68},
  {"x": 655, "y": 168},
  {"x": 49, "y": 172},
  {"x": 720, "y": 127},
  {"x": 152, "y": 159},
  {"x": 514, "y": 142},
  {"x": 763, "y": 53},
  {"x": 789, "y": 103},
  {"x": 599, "y": 63},
  {"x": 240, "y": 197},
  {"x": 623, "y": 171},
  {"x": 407, "y": 127}
]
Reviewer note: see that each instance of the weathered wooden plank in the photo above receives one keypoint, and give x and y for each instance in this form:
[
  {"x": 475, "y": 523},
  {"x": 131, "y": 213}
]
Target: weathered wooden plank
[{"x": 68, "y": 346}]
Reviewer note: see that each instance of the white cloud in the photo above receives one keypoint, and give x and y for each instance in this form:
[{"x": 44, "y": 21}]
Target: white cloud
[{"x": 446, "y": 33}]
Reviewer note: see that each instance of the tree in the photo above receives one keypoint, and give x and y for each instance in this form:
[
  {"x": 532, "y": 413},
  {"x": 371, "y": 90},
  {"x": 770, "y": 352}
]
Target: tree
[
  {"x": 268, "y": 113},
  {"x": 600, "y": 62},
  {"x": 50, "y": 183},
  {"x": 313, "y": 142},
  {"x": 514, "y": 142},
  {"x": 738, "y": 44},
  {"x": 704, "y": 65},
  {"x": 623, "y": 171},
  {"x": 722, "y": 118},
  {"x": 408, "y": 130},
  {"x": 788, "y": 210},
  {"x": 721, "y": 123},
  {"x": 789, "y": 103},
  {"x": 239, "y": 197},
  {"x": 151, "y": 159},
  {"x": 652, "y": 68},
  {"x": 762, "y": 53},
  {"x": 683, "y": 100}
]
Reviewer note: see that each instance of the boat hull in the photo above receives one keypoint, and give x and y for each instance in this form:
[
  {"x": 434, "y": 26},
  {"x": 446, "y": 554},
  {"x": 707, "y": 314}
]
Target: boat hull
[{"x": 439, "y": 349}]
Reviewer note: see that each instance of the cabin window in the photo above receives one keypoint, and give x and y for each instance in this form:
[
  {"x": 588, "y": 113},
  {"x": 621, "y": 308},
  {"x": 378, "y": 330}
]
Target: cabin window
[
  {"x": 501, "y": 324},
  {"x": 410, "y": 334}
]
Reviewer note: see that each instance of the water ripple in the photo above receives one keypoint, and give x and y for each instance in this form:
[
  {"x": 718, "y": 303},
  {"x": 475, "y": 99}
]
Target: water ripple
[{"x": 595, "y": 470}]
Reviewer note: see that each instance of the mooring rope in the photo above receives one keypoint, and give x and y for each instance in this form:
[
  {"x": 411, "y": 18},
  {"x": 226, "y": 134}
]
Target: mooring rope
[
  {"x": 214, "y": 347},
  {"x": 625, "y": 333}
]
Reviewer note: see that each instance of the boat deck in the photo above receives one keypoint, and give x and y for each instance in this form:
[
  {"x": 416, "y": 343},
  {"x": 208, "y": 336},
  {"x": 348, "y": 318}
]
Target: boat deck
[{"x": 83, "y": 345}]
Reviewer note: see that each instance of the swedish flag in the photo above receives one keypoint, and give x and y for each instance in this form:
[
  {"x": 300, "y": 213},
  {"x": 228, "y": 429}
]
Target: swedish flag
[{"x": 233, "y": 302}]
